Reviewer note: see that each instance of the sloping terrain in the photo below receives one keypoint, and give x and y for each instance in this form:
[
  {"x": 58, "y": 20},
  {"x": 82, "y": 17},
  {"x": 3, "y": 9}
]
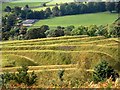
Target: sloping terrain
[
  {"x": 61, "y": 50},
  {"x": 48, "y": 56}
]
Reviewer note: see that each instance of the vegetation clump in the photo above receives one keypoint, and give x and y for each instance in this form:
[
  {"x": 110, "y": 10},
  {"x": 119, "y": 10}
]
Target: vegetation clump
[
  {"x": 103, "y": 72},
  {"x": 20, "y": 77}
]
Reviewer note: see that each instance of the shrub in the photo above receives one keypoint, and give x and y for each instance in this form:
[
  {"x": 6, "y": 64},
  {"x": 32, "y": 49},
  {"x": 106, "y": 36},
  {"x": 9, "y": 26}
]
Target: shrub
[
  {"x": 21, "y": 77},
  {"x": 7, "y": 9},
  {"x": 102, "y": 31},
  {"x": 103, "y": 71},
  {"x": 35, "y": 33},
  {"x": 92, "y": 29},
  {"x": 77, "y": 78},
  {"x": 54, "y": 33},
  {"x": 60, "y": 74},
  {"x": 81, "y": 30},
  {"x": 114, "y": 30},
  {"x": 6, "y": 77}
]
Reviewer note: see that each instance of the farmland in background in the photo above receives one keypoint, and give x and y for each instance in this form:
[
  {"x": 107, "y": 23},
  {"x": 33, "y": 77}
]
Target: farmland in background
[{"x": 77, "y": 20}]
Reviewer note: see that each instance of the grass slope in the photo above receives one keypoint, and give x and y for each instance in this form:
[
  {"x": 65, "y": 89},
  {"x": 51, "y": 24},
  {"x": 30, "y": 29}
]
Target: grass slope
[
  {"x": 76, "y": 20},
  {"x": 48, "y": 56},
  {"x": 64, "y": 50}
]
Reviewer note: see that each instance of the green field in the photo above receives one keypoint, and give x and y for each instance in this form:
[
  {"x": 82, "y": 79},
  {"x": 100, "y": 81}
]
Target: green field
[
  {"x": 76, "y": 20},
  {"x": 31, "y": 1},
  {"x": 42, "y": 8},
  {"x": 20, "y": 4},
  {"x": 53, "y": 2}
]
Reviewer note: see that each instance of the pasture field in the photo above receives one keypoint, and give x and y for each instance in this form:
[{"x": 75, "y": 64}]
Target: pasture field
[
  {"x": 42, "y": 8},
  {"x": 53, "y": 2},
  {"x": 20, "y": 4},
  {"x": 48, "y": 56},
  {"x": 82, "y": 19},
  {"x": 31, "y": 1}
]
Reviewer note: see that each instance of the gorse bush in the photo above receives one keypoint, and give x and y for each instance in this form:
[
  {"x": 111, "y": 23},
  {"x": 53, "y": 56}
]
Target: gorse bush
[
  {"x": 103, "y": 71},
  {"x": 7, "y": 77},
  {"x": 21, "y": 77},
  {"x": 60, "y": 74},
  {"x": 24, "y": 77}
]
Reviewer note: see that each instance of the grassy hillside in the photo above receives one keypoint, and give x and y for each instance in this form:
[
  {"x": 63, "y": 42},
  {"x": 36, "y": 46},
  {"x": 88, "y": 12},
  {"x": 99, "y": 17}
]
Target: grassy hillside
[
  {"x": 76, "y": 20},
  {"x": 48, "y": 56},
  {"x": 62, "y": 50}
]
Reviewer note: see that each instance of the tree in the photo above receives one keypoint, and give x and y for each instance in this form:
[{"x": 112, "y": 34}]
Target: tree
[
  {"x": 44, "y": 4},
  {"x": 6, "y": 28},
  {"x": 7, "y": 9},
  {"x": 63, "y": 8},
  {"x": 11, "y": 20},
  {"x": 23, "y": 31},
  {"x": 91, "y": 6},
  {"x": 72, "y": 9},
  {"x": 50, "y": 33},
  {"x": 84, "y": 8},
  {"x": 81, "y": 30},
  {"x": 54, "y": 33},
  {"x": 103, "y": 71},
  {"x": 102, "y": 31},
  {"x": 100, "y": 6},
  {"x": 79, "y": 8},
  {"x": 117, "y": 7},
  {"x": 55, "y": 11},
  {"x": 17, "y": 10},
  {"x": 12, "y": 33},
  {"x": 92, "y": 29},
  {"x": 26, "y": 6},
  {"x": 37, "y": 15},
  {"x": 110, "y": 6},
  {"x": 4, "y": 19},
  {"x": 68, "y": 29},
  {"x": 5, "y": 35},
  {"x": 44, "y": 28},
  {"x": 30, "y": 15},
  {"x": 35, "y": 33},
  {"x": 21, "y": 77},
  {"x": 114, "y": 30},
  {"x": 48, "y": 12},
  {"x": 41, "y": 14},
  {"x": 23, "y": 14}
]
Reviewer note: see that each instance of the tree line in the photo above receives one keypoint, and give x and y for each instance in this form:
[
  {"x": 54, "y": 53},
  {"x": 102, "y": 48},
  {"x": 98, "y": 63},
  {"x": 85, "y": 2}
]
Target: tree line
[
  {"x": 65, "y": 9},
  {"x": 45, "y": 31}
]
